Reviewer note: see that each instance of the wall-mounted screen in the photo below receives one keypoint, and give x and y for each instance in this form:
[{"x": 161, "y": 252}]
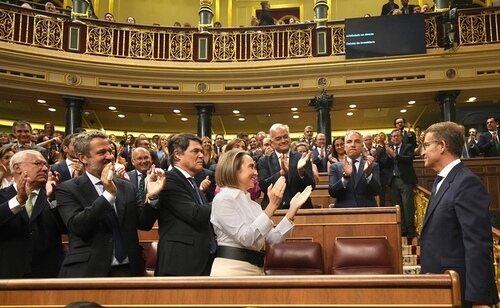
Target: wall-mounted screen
[{"x": 382, "y": 36}]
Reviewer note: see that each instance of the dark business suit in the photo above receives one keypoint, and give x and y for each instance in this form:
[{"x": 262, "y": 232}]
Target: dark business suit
[
  {"x": 456, "y": 235},
  {"x": 63, "y": 169},
  {"x": 200, "y": 176},
  {"x": 409, "y": 137},
  {"x": 29, "y": 247},
  {"x": 269, "y": 172},
  {"x": 388, "y": 8},
  {"x": 385, "y": 171},
  {"x": 266, "y": 19},
  {"x": 90, "y": 234},
  {"x": 320, "y": 162},
  {"x": 357, "y": 192},
  {"x": 184, "y": 228},
  {"x": 487, "y": 145},
  {"x": 402, "y": 186}
]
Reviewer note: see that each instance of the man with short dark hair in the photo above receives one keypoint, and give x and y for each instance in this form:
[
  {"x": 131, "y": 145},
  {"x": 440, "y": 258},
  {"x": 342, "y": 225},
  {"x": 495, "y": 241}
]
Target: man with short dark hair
[
  {"x": 70, "y": 167},
  {"x": 22, "y": 130},
  {"x": 389, "y": 7},
  {"x": 407, "y": 136},
  {"x": 265, "y": 17},
  {"x": 456, "y": 232},
  {"x": 187, "y": 246},
  {"x": 488, "y": 143}
]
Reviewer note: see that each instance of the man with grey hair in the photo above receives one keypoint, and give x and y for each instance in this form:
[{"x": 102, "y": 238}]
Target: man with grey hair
[
  {"x": 355, "y": 181},
  {"x": 295, "y": 167},
  {"x": 22, "y": 130},
  {"x": 30, "y": 229}
]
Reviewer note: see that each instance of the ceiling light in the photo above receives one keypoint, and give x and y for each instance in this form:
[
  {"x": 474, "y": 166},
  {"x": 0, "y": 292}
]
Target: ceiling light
[
  {"x": 52, "y": 109},
  {"x": 350, "y": 113},
  {"x": 176, "y": 111},
  {"x": 295, "y": 116},
  {"x": 112, "y": 108},
  {"x": 236, "y": 111},
  {"x": 294, "y": 109},
  {"x": 403, "y": 110},
  {"x": 41, "y": 101},
  {"x": 352, "y": 106},
  {"x": 121, "y": 116},
  {"x": 471, "y": 99},
  {"x": 411, "y": 102},
  {"x": 241, "y": 119},
  {"x": 184, "y": 119}
]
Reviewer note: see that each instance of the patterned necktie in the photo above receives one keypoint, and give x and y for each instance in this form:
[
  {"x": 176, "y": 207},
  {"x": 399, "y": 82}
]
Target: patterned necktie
[
  {"x": 142, "y": 187},
  {"x": 29, "y": 203}
]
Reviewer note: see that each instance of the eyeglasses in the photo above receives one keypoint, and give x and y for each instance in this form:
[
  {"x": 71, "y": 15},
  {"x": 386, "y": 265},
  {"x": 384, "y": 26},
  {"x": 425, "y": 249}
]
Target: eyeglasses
[
  {"x": 38, "y": 163},
  {"x": 425, "y": 145}
]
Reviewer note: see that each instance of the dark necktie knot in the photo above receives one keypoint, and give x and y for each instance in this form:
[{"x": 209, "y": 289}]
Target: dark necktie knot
[{"x": 435, "y": 184}]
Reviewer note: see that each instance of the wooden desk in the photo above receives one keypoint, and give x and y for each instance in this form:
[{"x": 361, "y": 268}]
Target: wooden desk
[
  {"x": 256, "y": 291},
  {"x": 323, "y": 225}
]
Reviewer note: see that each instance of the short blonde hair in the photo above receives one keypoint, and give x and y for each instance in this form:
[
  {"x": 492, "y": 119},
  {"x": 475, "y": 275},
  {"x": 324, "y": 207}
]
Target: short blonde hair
[{"x": 228, "y": 166}]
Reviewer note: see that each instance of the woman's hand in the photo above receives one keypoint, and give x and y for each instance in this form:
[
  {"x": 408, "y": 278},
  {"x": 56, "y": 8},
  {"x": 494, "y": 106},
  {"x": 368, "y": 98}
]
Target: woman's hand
[
  {"x": 297, "y": 201},
  {"x": 275, "y": 193}
]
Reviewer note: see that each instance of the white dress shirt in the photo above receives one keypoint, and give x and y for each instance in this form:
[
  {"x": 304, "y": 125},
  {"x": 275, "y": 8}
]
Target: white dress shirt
[{"x": 239, "y": 221}]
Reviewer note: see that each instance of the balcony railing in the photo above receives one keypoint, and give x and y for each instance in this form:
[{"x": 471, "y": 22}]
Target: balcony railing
[{"x": 95, "y": 37}]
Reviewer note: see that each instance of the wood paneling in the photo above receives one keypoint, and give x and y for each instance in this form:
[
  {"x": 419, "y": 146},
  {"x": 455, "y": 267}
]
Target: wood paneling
[{"x": 264, "y": 291}]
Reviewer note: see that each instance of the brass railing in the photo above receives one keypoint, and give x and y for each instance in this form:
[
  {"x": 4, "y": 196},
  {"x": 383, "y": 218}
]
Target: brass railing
[{"x": 95, "y": 37}]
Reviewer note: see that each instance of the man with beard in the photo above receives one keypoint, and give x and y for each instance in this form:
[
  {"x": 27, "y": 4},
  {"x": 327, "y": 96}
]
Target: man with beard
[{"x": 102, "y": 214}]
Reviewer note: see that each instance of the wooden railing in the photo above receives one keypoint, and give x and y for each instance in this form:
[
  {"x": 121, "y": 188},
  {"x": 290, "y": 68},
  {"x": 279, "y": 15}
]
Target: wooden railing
[
  {"x": 95, "y": 37},
  {"x": 266, "y": 291}
]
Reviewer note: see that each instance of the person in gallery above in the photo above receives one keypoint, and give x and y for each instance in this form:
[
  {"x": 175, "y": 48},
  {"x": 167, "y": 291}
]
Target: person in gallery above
[
  {"x": 265, "y": 17},
  {"x": 307, "y": 137},
  {"x": 22, "y": 131},
  {"x": 389, "y": 7},
  {"x": 456, "y": 232},
  {"x": 109, "y": 17},
  {"x": 241, "y": 226}
]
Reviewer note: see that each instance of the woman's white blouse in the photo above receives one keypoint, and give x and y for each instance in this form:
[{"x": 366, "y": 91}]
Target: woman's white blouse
[{"x": 239, "y": 221}]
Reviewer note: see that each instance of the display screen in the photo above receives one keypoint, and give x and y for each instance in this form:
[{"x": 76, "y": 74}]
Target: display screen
[{"x": 383, "y": 36}]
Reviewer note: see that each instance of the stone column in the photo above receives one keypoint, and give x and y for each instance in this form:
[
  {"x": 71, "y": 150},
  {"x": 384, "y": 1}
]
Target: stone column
[
  {"x": 323, "y": 103},
  {"x": 447, "y": 102},
  {"x": 74, "y": 106},
  {"x": 205, "y": 119}
]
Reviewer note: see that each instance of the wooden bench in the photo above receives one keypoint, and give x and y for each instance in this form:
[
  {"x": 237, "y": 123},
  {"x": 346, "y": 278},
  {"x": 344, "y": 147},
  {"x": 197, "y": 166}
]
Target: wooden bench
[{"x": 256, "y": 291}]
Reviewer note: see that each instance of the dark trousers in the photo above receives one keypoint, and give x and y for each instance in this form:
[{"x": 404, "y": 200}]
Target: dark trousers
[
  {"x": 403, "y": 195},
  {"x": 120, "y": 271}
]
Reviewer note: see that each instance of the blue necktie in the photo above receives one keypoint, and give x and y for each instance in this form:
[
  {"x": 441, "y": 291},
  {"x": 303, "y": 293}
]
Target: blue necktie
[
  {"x": 202, "y": 200},
  {"x": 142, "y": 187},
  {"x": 435, "y": 184}
]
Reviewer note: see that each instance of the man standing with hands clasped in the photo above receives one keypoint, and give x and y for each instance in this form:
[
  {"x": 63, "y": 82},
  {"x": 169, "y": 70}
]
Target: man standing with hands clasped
[
  {"x": 456, "y": 233},
  {"x": 355, "y": 181}
]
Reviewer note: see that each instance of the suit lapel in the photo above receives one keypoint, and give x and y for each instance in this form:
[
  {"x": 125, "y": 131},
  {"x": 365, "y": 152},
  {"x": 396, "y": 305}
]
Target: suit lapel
[
  {"x": 186, "y": 183},
  {"x": 40, "y": 204},
  {"x": 274, "y": 164},
  {"x": 445, "y": 185}
]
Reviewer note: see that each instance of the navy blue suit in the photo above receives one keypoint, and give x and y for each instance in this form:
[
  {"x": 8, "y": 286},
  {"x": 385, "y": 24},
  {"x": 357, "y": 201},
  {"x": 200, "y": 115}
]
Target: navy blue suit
[
  {"x": 487, "y": 145},
  {"x": 63, "y": 169},
  {"x": 357, "y": 192},
  {"x": 456, "y": 235},
  {"x": 29, "y": 246},
  {"x": 269, "y": 172}
]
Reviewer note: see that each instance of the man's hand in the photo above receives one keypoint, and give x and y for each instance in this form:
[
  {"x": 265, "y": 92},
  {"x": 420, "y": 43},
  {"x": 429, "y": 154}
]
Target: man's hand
[
  {"x": 205, "y": 184},
  {"x": 107, "y": 178},
  {"x": 369, "y": 160},
  {"x": 77, "y": 168},
  {"x": 347, "y": 167},
  {"x": 156, "y": 180},
  {"x": 23, "y": 188},
  {"x": 53, "y": 179}
]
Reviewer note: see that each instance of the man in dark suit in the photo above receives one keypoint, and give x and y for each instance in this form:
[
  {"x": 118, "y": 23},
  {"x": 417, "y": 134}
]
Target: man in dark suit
[
  {"x": 295, "y": 167},
  {"x": 186, "y": 246},
  {"x": 265, "y": 17},
  {"x": 30, "y": 230},
  {"x": 102, "y": 214},
  {"x": 71, "y": 166},
  {"x": 402, "y": 180},
  {"x": 407, "y": 136},
  {"x": 142, "y": 162},
  {"x": 320, "y": 153},
  {"x": 488, "y": 143},
  {"x": 22, "y": 130},
  {"x": 407, "y": 9},
  {"x": 355, "y": 181},
  {"x": 456, "y": 232}
]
